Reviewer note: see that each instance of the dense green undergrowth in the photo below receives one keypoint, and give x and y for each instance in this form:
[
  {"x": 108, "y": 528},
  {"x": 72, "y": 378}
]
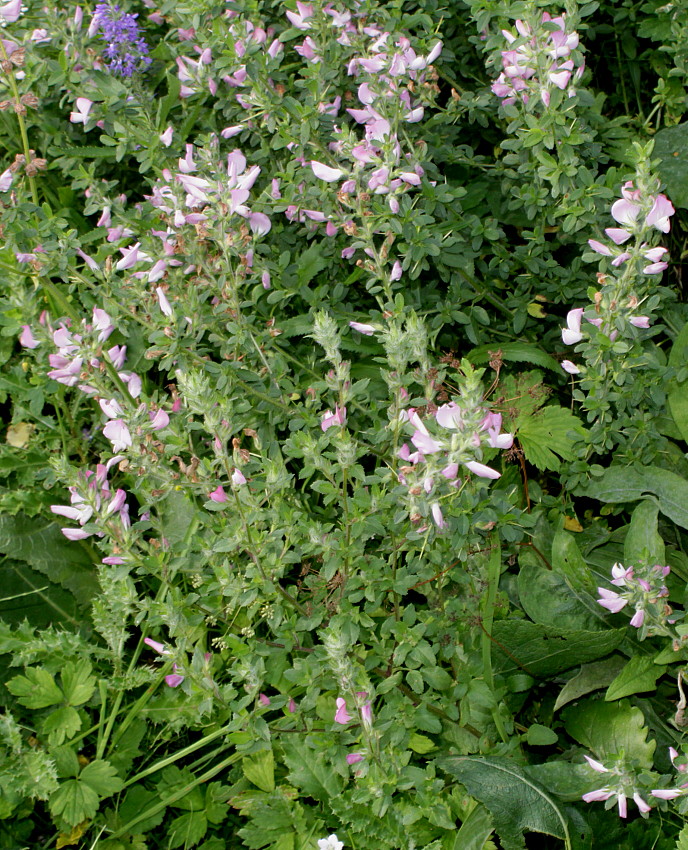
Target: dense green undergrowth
[{"x": 343, "y": 480}]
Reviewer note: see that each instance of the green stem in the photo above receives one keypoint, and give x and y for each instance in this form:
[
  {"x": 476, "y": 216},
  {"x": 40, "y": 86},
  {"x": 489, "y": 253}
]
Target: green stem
[
  {"x": 177, "y": 795},
  {"x": 22, "y": 125}
]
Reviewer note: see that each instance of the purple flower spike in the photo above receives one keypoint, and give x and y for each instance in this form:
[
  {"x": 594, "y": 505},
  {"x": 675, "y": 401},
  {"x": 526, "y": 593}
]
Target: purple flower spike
[{"x": 126, "y": 53}]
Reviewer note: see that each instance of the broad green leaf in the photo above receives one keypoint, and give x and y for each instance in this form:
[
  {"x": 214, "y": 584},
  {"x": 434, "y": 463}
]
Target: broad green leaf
[
  {"x": 542, "y": 651},
  {"x": 611, "y": 728},
  {"x": 518, "y": 352},
  {"x": 37, "y": 689},
  {"x": 259, "y": 768},
  {"x": 550, "y": 432},
  {"x": 643, "y": 544},
  {"x": 475, "y": 830},
  {"x": 626, "y": 484},
  {"x": 77, "y": 683},
  {"x": 101, "y": 777},
  {"x": 47, "y": 550},
  {"x": 590, "y": 677},
  {"x": 62, "y": 723},
  {"x": 562, "y": 779},
  {"x": 640, "y": 674},
  {"x": 670, "y": 146},
  {"x": 310, "y": 773},
  {"x": 517, "y": 803},
  {"x": 541, "y": 736},
  {"x": 74, "y": 802},
  {"x": 420, "y": 743},
  {"x": 28, "y": 595},
  {"x": 568, "y": 561},
  {"x": 138, "y": 799},
  {"x": 677, "y": 393},
  {"x": 548, "y": 599}
]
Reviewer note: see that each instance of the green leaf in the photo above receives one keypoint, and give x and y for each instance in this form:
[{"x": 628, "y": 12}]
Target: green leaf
[
  {"x": 643, "y": 544},
  {"x": 187, "y": 830},
  {"x": 517, "y": 804},
  {"x": 670, "y": 146},
  {"x": 548, "y": 599},
  {"x": 590, "y": 677},
  {"x": 627, "y": 484},
  {"x": 568, "y": 561},
  {"x": 682, "y": 839},
  {"x": 611, "y": 728},
  {"x": 259, "y": 768},
  {"x": 309, "y": 264},
  {"x": 62, "y": 723},
  {"x": 677, "y": 393},
  {"x": 47, "y": 550},
  {"x": 138, "y": 799},
  {"x": 640, "y": 674},
  {"x": 74, "y": 802},
  {"x": 527, "y": 647},
  {"x": 420, "y": 743},
  {"x": 475, "y": 830},
  {"x": 541, "y": 736},
  {"x": 28, "y": 595},
  {"x": 102, "y": 778},
  {"x": 519, "y": 352},
  {"x": 311, "y": 774},
  {"x": 37, "y": 689},
  {"x": 77, "y": 683},
  {"x": 550, "y": 432}
]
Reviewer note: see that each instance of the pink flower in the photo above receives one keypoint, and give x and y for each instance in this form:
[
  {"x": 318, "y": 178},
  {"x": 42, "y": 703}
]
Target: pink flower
[
  {"x": 259, "y": 223},
  {"x": 218, "y": 495},
  {"x": 600, "y": 794},
  {"x": 618, "y": 235},
  {"x": 336, "y": 418},
  {"x": 27, "y": 339},
  {"x": 641, "y": 804},
  {"x": 596, "y": 765},
  {"x": 341, "y": 715},
  {"x": 324, "y": 172},
  {"x": 667, "y": 793},
  {"x": 83, "y": 108},
  {"x": 638, "y": 619},
  {"x": 117, "y": 432},
  {"x": 640, "y": 321},
  {"x": 600, "y": 248},
  {"x": 481, "y": 470},
  {"x": 163, "y": 303},
  {"x": 11, "y": 11},
  {"x": 6, "y": 180},
  {"x": 437, "y": 515},
  {"x": 368, "y": 330},
  {"x": 174, "y": 680},
  {"x": 572, "y": 333},
  {"x": 570, "y": 367},
  {"x": 264, "y": 700},
  {"x": 299, "y": 19},
  {"x": 611, "y": 600},
  {"x": 354, "y": 758},
  {"x": 166, "y": 137},
  {"x": 625, "y": 212},
  {"x": 156, "y": 645},
  {"x": 75, "y": 533},
  {"x": 159, "y": 419},
  {"x": 238, "y": 478},
  {"x": 659, "y": 215}
]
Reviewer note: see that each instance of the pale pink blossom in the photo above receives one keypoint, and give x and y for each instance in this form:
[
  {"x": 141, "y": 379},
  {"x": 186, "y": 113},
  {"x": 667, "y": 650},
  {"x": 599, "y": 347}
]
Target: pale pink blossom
[{"x": 341, "y": 715}]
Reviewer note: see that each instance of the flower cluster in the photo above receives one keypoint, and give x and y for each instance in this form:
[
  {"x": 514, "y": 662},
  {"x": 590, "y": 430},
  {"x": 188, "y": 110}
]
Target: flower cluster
[
  {"x": 94, "y": 506},
  {"x": 459, "y": 432},
  {"x": 643, "y": 589},
  {"x": 539, "y": 60},
  {"x": 642, "y": 215},
  {"x": 620, "y": 784},
  {"x": 681, "y": 789},
  {"x": 126, "y": 51}
]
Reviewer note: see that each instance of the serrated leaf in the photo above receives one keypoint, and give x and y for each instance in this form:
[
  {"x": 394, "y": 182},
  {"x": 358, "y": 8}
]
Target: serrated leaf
[
  {"x": 518, "y": 352},
  {"x": 101, "y": 777},
  {"x": 610, "y": 728},
  {"x": 310, "y": 263},
  {"x": 639, "y": 675},
  {"x": 62, "y": 723},
  {"x": 517, "y": 803},
  {"x": 37, "y": 689},
  {"x": 187, "y": 830},
  {"x": 259, "y": 768},
  {"x": 521, "y": 646},
  {"x": 590, "y": 677},
  {"x": 74, "y": 802},
  {"x": 550, "y": 432},
  {"x": 311, "y": 774},
  {"x": 77, "y": 683},
  {"x": 682, "y": 840}
]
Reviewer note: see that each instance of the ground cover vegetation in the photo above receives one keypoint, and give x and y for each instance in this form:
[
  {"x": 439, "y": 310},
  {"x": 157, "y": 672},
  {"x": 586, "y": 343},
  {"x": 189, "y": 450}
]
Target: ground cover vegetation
[{"x": 343, "y": 485}]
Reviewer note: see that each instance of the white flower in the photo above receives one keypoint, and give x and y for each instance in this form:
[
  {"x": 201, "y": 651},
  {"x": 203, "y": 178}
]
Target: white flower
[{"x": 330, "y": 843}]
